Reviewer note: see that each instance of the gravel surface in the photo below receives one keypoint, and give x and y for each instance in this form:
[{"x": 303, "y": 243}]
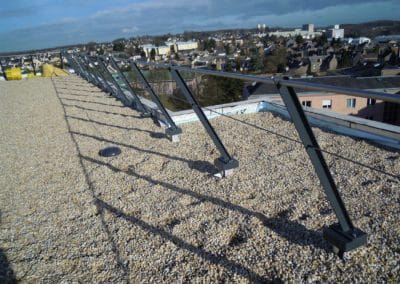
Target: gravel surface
[{"x": 156, "y": 214}]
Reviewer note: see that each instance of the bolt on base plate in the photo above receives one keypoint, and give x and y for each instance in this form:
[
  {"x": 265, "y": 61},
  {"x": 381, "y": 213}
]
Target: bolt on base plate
[{"x": 344, "y": 241}]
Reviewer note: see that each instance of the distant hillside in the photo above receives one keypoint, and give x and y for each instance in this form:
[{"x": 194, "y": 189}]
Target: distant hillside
[{"x": 372, "y": 29}]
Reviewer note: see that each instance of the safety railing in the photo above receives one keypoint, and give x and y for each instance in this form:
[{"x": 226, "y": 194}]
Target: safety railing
[{"x": 343, "y": 236}]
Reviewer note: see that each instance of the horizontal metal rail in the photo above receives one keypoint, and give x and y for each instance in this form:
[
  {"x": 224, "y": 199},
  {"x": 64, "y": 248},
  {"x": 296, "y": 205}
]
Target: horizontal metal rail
[{"x": 295, "y": 83}]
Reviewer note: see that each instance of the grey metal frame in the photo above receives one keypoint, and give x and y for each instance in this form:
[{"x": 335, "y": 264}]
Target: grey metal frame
[
  {"x": 138, "y": 103},
  {"x": 172, "y": 130},
  {"x": 95, "y": 79},
  {"x": 103, "y": 83},
  {"x": 119, "y": 92},
  {"x": 225, "y": 162},
  {"x": 343, "y": 235}
]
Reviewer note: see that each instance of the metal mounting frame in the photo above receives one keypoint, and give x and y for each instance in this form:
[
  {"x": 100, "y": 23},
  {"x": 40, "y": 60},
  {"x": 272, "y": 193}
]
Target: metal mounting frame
[
  {"x": 104, "y": 85},
  {"x": 172, "y": 131},
  {"x": 225, "y": 163},
  {"x": 137, "y": 103},
  {"x": 72, "y": 62},
  {"x": 119, "y": 93},
  {"x": 343, "y": 236},
  {"x": 95, "y": 79},
  {"x": 84, "y": 69}
]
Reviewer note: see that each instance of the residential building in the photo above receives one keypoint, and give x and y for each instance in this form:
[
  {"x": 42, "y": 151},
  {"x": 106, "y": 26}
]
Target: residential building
[
  {"x": 336, "y": 32},
  {"x": 349, "y": 105},
  {"x": 307, "y": 32}
]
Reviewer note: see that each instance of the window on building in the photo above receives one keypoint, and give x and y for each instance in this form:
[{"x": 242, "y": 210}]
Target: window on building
[
  {"x": 371, "y": 102},
  {"x": 306, "y": 103},
  {"x": 327, "y": 104},
  {"x": 351, "y": 103}
]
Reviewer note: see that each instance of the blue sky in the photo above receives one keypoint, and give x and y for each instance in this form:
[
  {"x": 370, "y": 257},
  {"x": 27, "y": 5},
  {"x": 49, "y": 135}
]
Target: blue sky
[{"x": 45, "y": 23}]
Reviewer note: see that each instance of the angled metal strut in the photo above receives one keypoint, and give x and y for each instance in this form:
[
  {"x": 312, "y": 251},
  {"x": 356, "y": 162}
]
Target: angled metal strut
[{"x": 343, "y": 236}]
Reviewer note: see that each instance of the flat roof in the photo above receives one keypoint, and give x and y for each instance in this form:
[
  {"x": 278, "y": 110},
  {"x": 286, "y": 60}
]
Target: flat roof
[{"x": 155, "y": 213}]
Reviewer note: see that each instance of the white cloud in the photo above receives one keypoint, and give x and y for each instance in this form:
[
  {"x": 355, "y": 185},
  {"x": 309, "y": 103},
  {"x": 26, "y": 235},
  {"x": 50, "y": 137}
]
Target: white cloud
[{"x": 130, "y": 30}]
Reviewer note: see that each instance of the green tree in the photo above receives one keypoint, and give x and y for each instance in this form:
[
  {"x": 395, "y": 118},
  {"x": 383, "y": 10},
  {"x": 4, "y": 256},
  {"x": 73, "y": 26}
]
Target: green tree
[
  {"x": 119, "y": 46},
  {"x": 211, "y": 90},
  {"x": 321, "y": 40},
  {"x": 256, "y": 63},
  {"x": 276, "y": 62},
  {"x": 299, "y": 39},
  {"x": 153, "y": 54},
  {"x": 91, "y": 46},
  {"x": 346, "y": 59}
]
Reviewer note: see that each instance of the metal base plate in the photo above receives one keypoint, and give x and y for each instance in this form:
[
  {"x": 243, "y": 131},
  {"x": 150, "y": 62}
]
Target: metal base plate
[
  {"x": 224, "y": 168},
  {"x": 173, "y": 134},
  {"x": 146, "y": 114},
  {"x": 344, "y": 241}
]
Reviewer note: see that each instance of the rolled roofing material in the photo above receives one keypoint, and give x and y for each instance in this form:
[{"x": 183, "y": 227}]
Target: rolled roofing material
[
  {"x": 13, "y": 73},
  {"x": 49, "y": 70}
]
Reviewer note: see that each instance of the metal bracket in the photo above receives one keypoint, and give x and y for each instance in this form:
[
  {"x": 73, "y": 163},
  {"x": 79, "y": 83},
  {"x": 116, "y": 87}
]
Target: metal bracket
[
  {"x": 95, "y": 79},
  {"x": 225, "y": 164},
  {"x": 344, "y": 236},
  {"x": 137, "y": 103},
  {"x": 173, "y": 131},
  {"x": 119, "y": 92},
  {"x": 105, "y": 86}
]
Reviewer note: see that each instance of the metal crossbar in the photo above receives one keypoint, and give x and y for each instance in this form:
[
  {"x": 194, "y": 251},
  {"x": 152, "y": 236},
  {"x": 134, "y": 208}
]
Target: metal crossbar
[
  {"x": 295, "y": 83},
  {"x": 343, "y": 235}
]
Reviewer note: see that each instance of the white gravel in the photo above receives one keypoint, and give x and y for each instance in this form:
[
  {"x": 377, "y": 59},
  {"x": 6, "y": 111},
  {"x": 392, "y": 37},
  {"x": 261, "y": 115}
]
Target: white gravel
[{"x": 155, "y": 214}]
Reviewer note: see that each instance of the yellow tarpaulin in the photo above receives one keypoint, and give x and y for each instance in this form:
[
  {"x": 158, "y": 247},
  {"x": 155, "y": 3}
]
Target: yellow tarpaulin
[
  {"x": 13, "y": 73},
  {"x": 49, "y": 70}
]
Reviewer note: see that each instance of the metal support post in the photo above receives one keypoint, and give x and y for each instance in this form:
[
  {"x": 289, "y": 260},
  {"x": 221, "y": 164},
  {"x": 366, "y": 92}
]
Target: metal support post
[
  {"x": 33, "y": 65},
  {"x": 119, "y": 93},
  {"x": 343, "y": 236},
  {"x": 95, "y": 80},
  {"x": 83, "y": 72},
  {"x": 172, "y": 131},
  {"x": 138, "y": 103},
  {"x": 103, "y": 71},
  {"x": 3, "y": 69},
  {"x": 85, "y": 64},
  {"x": 62, "y": 60},
  {"x": 72, "y": 62},
  {"x": 104, "y": 83},
  {"x": 225, "y": 163}
]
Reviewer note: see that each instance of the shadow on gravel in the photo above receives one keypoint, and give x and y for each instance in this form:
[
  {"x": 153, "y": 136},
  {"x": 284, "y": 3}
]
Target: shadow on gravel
[
  {"x": 90, "y": 96},
  {"x": 123, "y": 268},
  {"x": 92, "y": 102},
  {"x": 6, "y": 273},
  {"x": 211, "y": 257},
  {"x": 201, "y": 166},
  {"x": 294, "y": 232},
  {"x": 102, "y": 111},
  {"x": 157, "y": 135},
  {"x": 81, "y": 90},
  {"x": 102, "y": 206}
]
